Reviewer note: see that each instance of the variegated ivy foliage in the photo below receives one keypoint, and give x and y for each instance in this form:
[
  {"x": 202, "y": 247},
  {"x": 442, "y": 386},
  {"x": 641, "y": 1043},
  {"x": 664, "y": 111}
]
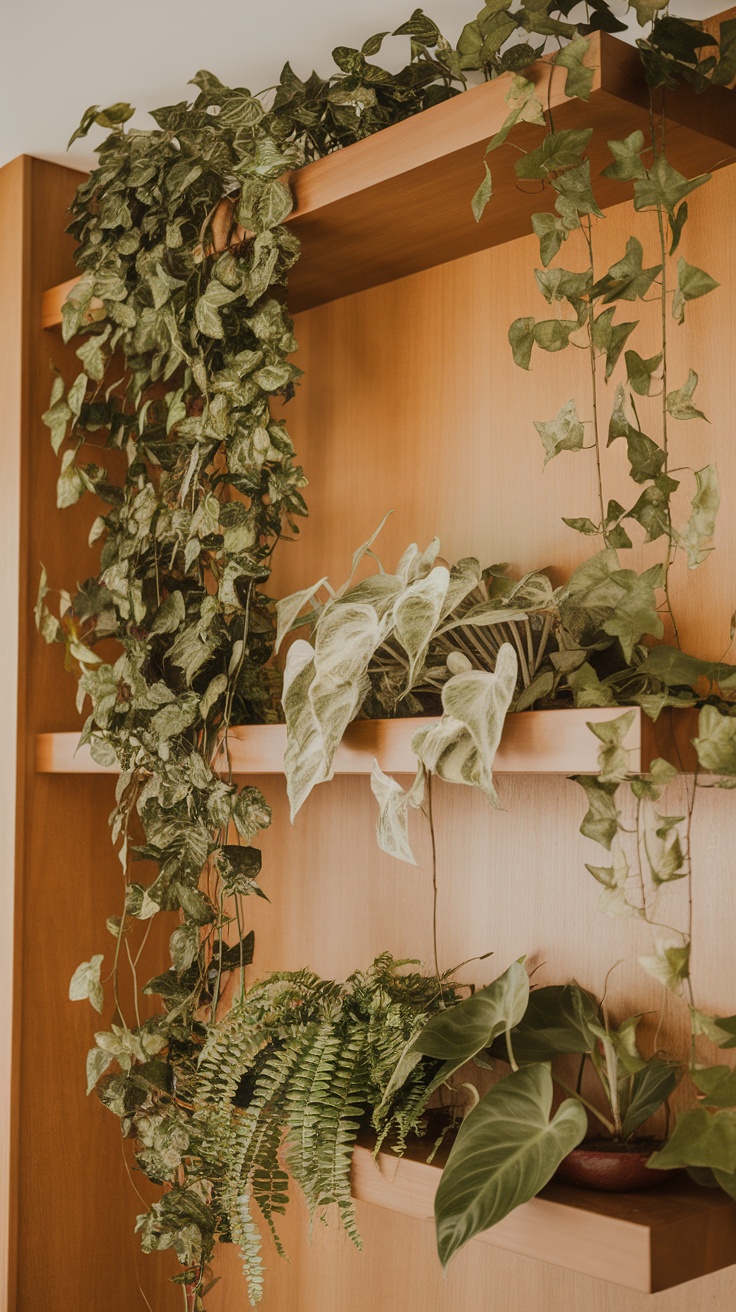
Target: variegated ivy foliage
[{"x": 588, "y": 305}]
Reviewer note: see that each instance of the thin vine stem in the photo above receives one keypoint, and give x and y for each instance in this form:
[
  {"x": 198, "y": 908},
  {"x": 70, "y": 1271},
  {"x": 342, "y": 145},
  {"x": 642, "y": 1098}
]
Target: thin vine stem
[
  {"x": 588, "y": 235},
  {"x": 433, "y": 841}
]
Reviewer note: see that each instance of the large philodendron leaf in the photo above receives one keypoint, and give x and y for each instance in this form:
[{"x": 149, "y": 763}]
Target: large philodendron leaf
[
  {"x": 459, "y": 1033},
  {"x": 506, "y": 1151},
  {"x": 288, "y": 609},
  {"x": 557, "y": 1020},
  {"x": 461, "y": 748},
  {"x": 416, "y": 614},
  {"x": 324, "y": 687}
]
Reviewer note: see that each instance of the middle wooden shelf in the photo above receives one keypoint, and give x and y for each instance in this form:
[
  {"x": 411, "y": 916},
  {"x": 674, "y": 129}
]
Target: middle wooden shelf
[{"x": 533, "y": 742}]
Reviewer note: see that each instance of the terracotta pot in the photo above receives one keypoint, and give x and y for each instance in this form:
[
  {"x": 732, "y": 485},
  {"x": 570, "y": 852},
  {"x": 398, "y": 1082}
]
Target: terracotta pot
[{"x": 602, "y": 1164}]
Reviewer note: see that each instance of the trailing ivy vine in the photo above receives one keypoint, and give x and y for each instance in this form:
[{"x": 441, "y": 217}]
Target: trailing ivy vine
[{"x": 174, "y": 422}]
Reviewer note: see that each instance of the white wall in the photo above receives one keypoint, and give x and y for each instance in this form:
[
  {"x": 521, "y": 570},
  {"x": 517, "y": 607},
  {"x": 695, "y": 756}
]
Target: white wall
[{"x": 60, "y": 56}]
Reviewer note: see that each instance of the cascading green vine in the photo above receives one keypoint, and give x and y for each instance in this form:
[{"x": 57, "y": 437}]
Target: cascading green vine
[{"x": 185, "y": 362}]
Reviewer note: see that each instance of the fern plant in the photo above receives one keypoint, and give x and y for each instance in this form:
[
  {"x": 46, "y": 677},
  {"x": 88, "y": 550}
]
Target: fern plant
[{"x": 295, "y": 1071}]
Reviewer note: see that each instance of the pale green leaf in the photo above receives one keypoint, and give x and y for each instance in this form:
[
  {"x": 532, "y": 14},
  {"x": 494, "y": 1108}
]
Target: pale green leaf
[{"x": 507, "y": 1149}]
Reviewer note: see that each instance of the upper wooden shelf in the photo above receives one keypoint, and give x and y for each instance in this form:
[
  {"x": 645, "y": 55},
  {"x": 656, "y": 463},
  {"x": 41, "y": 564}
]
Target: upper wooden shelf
[
  {"x": 647, "y": 1241},
  {"x": 533, "y": 742},
  {"x": 399, "y": 201}
]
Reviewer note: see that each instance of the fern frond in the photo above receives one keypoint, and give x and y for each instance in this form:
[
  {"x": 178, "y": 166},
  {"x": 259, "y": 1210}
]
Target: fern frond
[
  {"x": 309, "y": 1089},
  {"x": 343, "y": 1109}
]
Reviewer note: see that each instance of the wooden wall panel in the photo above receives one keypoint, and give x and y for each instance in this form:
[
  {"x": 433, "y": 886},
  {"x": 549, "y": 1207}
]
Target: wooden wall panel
[
  {"x": 71, "y": 1198},
  {"x": 411, "y": 402},
  {"x": 13, "y": 189}
]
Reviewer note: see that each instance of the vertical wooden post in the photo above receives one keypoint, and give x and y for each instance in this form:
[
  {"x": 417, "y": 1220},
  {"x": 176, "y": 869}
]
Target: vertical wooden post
[{"x": 13, "y": 388}]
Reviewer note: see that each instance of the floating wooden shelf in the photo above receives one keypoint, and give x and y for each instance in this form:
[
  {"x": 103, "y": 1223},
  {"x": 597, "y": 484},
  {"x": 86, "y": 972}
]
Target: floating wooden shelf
[
  {"x": 399, "y": 201},
  {"x": 533, "y": 742},
  {"x": 647, "y": 1241}
]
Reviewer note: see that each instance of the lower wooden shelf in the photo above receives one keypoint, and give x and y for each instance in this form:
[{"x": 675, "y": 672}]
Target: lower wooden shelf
[
  {"x": 533, "y": 742},
  {"x": 646, "y": 1241}
]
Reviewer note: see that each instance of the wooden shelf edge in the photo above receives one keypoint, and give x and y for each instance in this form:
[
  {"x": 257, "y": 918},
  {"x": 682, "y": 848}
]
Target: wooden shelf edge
[
  {"x": 649, "y": 1241},
  {"x": 422, "y": 172},
  {"x": 533, "y": 742}
]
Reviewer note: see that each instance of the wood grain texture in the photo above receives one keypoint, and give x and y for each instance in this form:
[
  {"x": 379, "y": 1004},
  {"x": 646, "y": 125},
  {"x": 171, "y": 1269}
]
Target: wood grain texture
[
  {"x": 73, "y": 1200},
  {"x": 648, "y": 1241},
  {"x": 399, "y": 201},
  {"x": 13, "y": 305}
]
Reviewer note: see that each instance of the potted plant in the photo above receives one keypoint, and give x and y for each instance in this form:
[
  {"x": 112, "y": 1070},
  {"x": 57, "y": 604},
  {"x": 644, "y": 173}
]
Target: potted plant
[{"x": 511, "y": 1143}]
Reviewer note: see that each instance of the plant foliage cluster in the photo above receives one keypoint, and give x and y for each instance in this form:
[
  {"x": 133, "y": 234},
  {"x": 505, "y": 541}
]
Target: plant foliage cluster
[{"x": 174, "y": 421}]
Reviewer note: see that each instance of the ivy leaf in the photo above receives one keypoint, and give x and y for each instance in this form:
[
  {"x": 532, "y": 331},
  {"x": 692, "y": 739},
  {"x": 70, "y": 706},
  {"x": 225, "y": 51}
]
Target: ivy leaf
[
  {"x": 58, "y": 414},
  {"x": 560, "y": 284},
  {"x": 721, "y": 1030},
  {"x": 701, "y": 525},
  {"x": 85, "y": 982},
  {"x": 680, "y": 402},
  {"x": 691, "y": 284},
  {"x": 70, "y": 485},
  {"x": 506, "y": 1150},
  {"x": 206, "y": 315},
  {"x": 639, "y": 372},
  {"x": 184, "y": 946},
  {"x": 572, "y": 57},
  {"x": 677, "y": 224},
  {"x": 627, "y": 279},
  {"x": 564, "y": 433},
  {"x": 521, "y": 340},
  {"x": 98, "y": 1061},
  {"x": 647, "y": 10},
  {"x": 600, "y": 821},
  {"x": 652, "y": 512},
  {"x": 553, "y": 230},
  {"x": 610, "y": 337},
  {"x": 716, "y": 741},
  {"x": 613, "y": 758},
  {"x": 718, "y": 1083},
  {"x": 239, "y": 867},
  {"x": 627, "y": 164},
  {"x": 700, "y": 1138},
  {"x": 664, "y": 186},
  {"x": 483, "y": 194},
  {"x": 582, "y": 524},
  {"x": 559, "y": 150},
  {"x": 636, "y": 611},
  {"x": 574, "y": 187},
  {"x": 670, "y": 964}
]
